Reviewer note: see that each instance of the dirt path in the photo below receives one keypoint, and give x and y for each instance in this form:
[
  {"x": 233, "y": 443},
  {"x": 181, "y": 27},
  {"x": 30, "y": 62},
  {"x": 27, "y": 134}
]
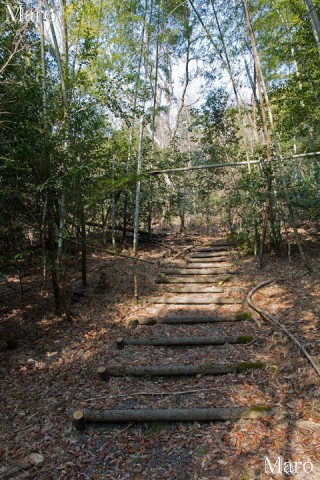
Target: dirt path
[{"x": 53, "y": 373}]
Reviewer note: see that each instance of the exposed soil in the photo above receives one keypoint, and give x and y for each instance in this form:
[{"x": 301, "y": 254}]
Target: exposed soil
[{"x": 51, "y": 371}]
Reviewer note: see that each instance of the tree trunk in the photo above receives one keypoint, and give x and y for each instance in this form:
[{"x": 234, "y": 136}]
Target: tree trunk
[
  {"x": 138, "y": 188},
  {"x": 83, "y": 246},
  {"x": 315, "y": 22},
  {"x": 46, "y": 129},
  {"x": 125, "y": 216},
  {"x": 113, "y": 210},
  {"x": 265, "y": 131}
]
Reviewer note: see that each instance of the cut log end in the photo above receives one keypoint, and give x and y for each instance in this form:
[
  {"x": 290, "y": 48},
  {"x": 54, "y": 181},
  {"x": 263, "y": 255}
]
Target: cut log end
[
  {"x": 103, "y": 373},
  {"x": 79, "y": 420},
  {"x": 120, "y": 343},
  {"x": 133, "y": 324}
]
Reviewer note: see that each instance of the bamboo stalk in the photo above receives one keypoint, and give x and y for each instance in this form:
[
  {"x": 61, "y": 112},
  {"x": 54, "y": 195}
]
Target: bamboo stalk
[{"x": 202, "y": 167}]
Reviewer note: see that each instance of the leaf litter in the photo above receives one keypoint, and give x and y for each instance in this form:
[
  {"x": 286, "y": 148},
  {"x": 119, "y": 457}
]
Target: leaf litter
[{"x": 53, "y": 372}]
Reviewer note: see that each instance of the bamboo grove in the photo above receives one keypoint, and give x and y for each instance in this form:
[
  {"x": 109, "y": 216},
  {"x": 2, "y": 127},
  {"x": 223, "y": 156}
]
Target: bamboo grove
[{"x": 102, "y": 102}]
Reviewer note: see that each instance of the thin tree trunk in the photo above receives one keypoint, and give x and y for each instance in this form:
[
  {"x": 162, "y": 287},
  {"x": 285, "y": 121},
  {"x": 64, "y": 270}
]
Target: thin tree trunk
[
  {"x": 46, "y": 129},
  {"x": 138, "y": 189},
  {"x": 125, "y": 216},
  {"x": 185, "y": 87},
  {"x": 154, "y": 121},
  {"x": 62, "y": 61},
  {"x": 315, "y": 22},
  {"x": 265, "y": 131},
  {"x": 113, "y": 214},
  {"x": 83, "y": 245}
]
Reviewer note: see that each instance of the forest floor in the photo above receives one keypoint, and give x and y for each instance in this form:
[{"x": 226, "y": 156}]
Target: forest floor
[{"x": 52, "y": 373}]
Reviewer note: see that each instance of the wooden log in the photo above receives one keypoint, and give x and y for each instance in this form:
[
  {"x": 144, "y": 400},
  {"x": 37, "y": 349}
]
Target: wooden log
[
  {"x": 79, "y": 420},
  {"x": 212, "y": 249},
  {"x": 191, "y": 300},
  {"x": 103, "y": 373},
  {"x": 207, "y": 260},
  {"x": 189, "y": 320},
  {"x": 174, "y": 415},
  {"x": 188, "y": 279},
  {"x": 200, "y": 289},
  {"x": 211, "y": 254},
  {"x": 176, "y": 370},
  {"x": 182, "y": 341},
  {"x": 209, "y": 265},
  {"x": 222, "y": 243},
  {"x": 200, "y": 271}
]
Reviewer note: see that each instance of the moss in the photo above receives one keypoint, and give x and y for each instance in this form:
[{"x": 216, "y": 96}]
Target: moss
[
  {"x": 244, "y": 339},
  {"x": 243, "y": 366},
  {"x": 260, "y": 408},
  {"x": 224, "y": 280},
  {"x": 243, "y": 316},
  {"x": 90, "y": 371}
]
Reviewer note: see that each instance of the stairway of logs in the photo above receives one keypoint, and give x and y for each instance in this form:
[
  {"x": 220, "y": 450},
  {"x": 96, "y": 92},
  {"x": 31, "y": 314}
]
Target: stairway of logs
[{"x": 207, "y": 278}]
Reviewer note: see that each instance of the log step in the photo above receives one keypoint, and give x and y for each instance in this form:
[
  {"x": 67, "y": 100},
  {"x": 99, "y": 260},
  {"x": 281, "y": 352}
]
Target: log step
[
  {"x": 211, "y": 254},
  {"x": 176, "y": 370},
  {"x": 209, "y": 265},
  {"x": 199, "y": 271},
  {"x": 200, "y": 289},
  {"x": 207, "y": 260},
  {"x": 191, "y": 300},
  {"x": 183, "y": 341},
  {"x": 81, "y": 417},
  {"x": 189, "y": 320},
  {"x": 189, "y": 279},
  {"x": 212, "y": 249},
  {"x": 219, "y": 243}
]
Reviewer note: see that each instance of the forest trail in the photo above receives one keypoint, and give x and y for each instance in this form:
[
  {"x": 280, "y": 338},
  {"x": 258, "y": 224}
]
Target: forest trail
[
  {"x": 221, "y": 289},
  {"x": 200, "y": 350}
]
